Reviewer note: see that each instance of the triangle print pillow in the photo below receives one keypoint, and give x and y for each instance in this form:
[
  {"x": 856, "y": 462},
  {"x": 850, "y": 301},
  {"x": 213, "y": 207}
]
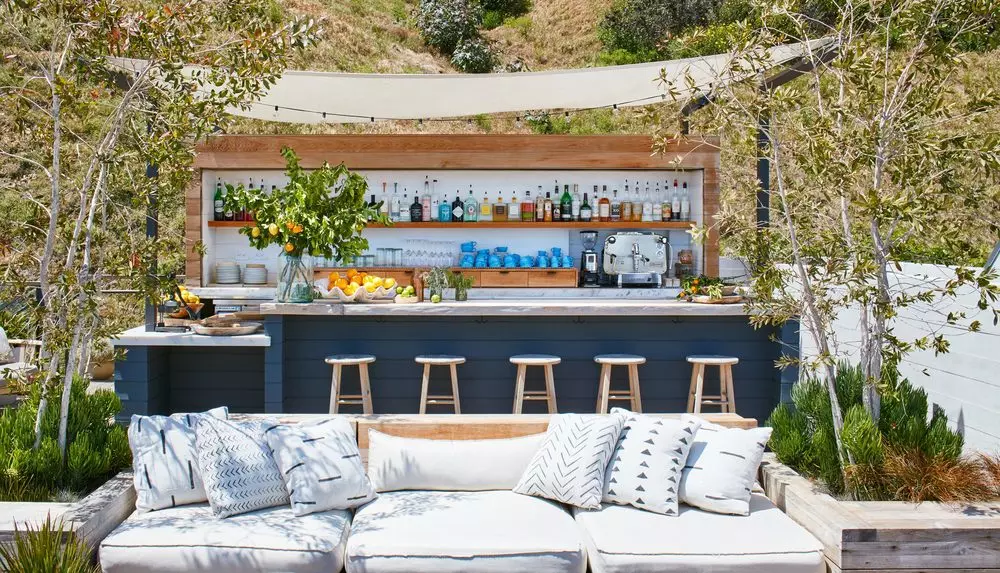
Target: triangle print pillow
[{"x": 645, "y": 470}]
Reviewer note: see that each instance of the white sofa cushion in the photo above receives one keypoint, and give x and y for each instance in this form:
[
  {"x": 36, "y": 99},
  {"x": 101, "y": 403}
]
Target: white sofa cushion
[
  {"x": 239, "y": 471},
  {"x": 467, "y": 532},
  {"x": 645, "y": 470},
  {"x": 396, "y": 463},
  {"x": 722, "y": 467},
  {"x": 321, "y": 465},
  {"x": 190, "y": 538},
  {"x": 569, "y": 467},
  {"x": 622, "y": 539},
  {"x": 164, "y": 461}
]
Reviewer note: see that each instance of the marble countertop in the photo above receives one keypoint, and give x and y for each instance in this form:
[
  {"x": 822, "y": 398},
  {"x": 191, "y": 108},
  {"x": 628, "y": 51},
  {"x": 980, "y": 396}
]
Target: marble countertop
[
  {"x": 510, "y": 307},
  {"x": 266, "y": 294},
  {"x": 139, "y": 337}
]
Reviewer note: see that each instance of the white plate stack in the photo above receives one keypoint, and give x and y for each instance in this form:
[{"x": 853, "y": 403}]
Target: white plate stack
[
  {"x": 255, "y": 274},
  {"x": 227, "y": 273}
]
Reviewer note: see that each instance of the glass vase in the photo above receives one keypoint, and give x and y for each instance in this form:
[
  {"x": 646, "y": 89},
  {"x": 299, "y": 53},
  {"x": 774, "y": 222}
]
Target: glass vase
[
  {"x": 461, "y": 295},
  {"x": 295, "y": 282}
]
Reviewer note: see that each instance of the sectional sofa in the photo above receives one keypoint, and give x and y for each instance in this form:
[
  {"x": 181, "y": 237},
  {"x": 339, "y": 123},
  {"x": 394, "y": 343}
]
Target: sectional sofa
[{"x": 447, "y": 506}]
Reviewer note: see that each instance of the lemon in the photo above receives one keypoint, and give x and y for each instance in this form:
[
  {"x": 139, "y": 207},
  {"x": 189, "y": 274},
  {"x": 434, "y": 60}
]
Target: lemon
[
  {"x": 255, "y": 232},
  {"x": 436, "y": 298},
  {"x": 370, "y": 287},
  {"x": 389, "y": 282},
  {"x": 273, "y": 229}
]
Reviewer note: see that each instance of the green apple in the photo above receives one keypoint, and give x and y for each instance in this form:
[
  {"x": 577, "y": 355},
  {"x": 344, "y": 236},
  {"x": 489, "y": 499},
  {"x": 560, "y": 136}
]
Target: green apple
[{"x": 436, "y": 298}]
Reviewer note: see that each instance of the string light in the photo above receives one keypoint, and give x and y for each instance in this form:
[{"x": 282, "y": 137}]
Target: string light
[
  {"x": 517, "y": 122},
  {"x": 420, "y": 124},
  {"x": 614, "y": 109},
  {"x": 566, "y": 117}
]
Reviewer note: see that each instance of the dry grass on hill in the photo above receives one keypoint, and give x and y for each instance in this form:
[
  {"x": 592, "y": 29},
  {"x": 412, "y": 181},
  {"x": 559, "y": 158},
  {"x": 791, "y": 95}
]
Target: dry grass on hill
[{"x": 554, "y": 34}]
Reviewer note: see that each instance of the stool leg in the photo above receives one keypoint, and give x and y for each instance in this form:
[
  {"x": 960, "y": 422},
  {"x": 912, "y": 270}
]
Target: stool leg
[
  {"x": 699, "y": 386},
  {"x": 633, "y": 385},
  {"x": 335, "y": 389},
  {"x": 730, "y": 395},
  {"x": 519, "y": 389},
  {"x": 366, "y": 391},
  {"x": 423, "y": 388},
  {"x": 550, "y": 389},
  {"x": 723, "y": 390},
  {"x": 691, "y": 390},
  {"x": 454, "y": 388},
  {"x": 603, "y": 389}
]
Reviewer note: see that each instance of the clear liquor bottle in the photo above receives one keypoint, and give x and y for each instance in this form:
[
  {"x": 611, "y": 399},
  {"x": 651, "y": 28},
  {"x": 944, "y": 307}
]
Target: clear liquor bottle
[
  {"x": 616, "y": 207},
  {"x": 604, "y": 205},
  {"x": 675, "y": 204},
  {"x": 626, "y": 208},
  {"x": 647, "y": 205},
  {"x": 486, "y": 208},
  {"x": 471, "y": 207},
  {"x": 685, "y": 203},
  {"x": 576, "y": 205},
  {"x": 514, "y": 208}
]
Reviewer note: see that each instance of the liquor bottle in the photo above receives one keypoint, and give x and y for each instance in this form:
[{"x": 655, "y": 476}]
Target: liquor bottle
[
  {"x": 528, "y": 208},
  {"x": 685, "y": 203},
  {"x": 675, "y": 205},
  {"x": 486, "y": 209},
  {"x": 566, "y": 205},
  {"x": 667, "y": 213},
  {"x": 228, "y": 215},
  {"x": 556, "y": 205},
  {"x": 425, "y": 204},
  {"x": 406, "y": 211},
  {"x": 626, "y": 204},
  {"x": 394, "y": 203},
  {"x": 657, "y": 205},
  {"x": 435, "y": 209},
  {"x": 539, "y": 206},
  {"x": 514, "y": 208},
  {"x": 604, "y": 205},
  {"x": 647, "y": 205},
  {"x": 471, "y": 208},
  {"x": 547, "y": 217},
  {"x": 444, "y": 211},
  {"x": 636, "y": 203},
  {"x": 585, "y": 211},
  {"x": 372, "y": 205},
  {"x": 575, "y": 207},
  {"x": 499, "y": 209},
  {"x": 457, "y": 209},
  {"x": 416, "y": 209},
  {"x": 219, "y": 212},
  {"x": 616, "y": 206}
]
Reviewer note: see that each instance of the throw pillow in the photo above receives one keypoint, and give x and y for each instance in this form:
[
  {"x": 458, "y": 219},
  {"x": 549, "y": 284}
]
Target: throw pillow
[
  {"x": 646, "y": 467},
  {"x": 239, "y": 472},
  {"x": 722, "y": 467},
  {"x": 164, "y": 462},
  {"x": 569, "y": 466},
  {"x": 321, "y": 465},
  {"x": 6, "y": 352}
]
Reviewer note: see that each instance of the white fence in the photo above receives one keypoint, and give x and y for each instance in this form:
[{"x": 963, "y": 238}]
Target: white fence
[{"x": 965, "y": 382}]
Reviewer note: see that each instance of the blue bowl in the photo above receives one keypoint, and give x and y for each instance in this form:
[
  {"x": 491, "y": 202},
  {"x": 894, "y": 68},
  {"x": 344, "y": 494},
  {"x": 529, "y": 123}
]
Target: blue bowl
[{"x": 500, "y": 249}]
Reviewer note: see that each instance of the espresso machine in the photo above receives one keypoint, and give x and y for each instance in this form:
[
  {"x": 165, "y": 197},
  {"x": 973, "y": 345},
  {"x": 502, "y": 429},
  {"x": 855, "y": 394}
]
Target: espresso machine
[
  {"x": 590, "y": 275},
  {"x": 635, "y": 259}
]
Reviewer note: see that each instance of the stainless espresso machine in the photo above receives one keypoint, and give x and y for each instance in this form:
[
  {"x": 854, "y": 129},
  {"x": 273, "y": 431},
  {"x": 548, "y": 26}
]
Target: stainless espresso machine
[
  {"x": 590, "y": 273},
  {"x": 635, "y": 259}
]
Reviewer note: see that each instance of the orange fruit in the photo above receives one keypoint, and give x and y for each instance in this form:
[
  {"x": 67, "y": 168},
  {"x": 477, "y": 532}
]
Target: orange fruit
[
  {"x": 334, "y": 277},
  {"x": 289, "y": 247},
  {"x": 341, "y": 283},
  {"x": 356, "y": 279},
  {"x": 297, "y": 229},
  {"x": 351, "y": 272}
]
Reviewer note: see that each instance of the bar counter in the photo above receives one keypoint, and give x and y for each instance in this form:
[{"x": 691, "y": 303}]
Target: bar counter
[{"x": 510, "y": 307}]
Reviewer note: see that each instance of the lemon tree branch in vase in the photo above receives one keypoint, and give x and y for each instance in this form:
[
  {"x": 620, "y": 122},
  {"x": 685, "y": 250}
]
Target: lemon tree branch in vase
[{"x": 318, "y": 213}]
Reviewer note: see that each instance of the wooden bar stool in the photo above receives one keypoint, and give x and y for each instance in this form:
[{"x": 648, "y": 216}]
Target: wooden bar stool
[
  {"x": 604, "y": 391},
  {"x": 429, "y": 360},
  {"x": 726, "y": 399},
  {"x": 546, "y": 361},
  {"x": 364, "y": 399}
]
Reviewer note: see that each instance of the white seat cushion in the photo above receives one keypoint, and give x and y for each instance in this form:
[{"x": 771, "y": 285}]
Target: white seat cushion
[
  {"x": 468, "y": 532},
  {"x": 623, "y": 539},
  {"x": 189, "y": 538}
]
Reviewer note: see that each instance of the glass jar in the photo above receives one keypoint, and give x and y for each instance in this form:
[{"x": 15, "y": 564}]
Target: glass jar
[{"x": 295, "y": 283}]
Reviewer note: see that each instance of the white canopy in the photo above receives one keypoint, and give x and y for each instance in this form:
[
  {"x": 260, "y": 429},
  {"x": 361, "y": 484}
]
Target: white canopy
[{"x": 304, "y": 97}]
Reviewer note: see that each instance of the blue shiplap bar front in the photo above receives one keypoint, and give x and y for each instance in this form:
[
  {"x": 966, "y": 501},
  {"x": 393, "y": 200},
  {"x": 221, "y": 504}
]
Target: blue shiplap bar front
[{"x": 289, "y": 375}]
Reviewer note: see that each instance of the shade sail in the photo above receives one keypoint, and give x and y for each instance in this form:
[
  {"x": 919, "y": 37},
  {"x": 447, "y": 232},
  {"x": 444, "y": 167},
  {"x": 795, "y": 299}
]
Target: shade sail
[{"x": 303, "y": 96}]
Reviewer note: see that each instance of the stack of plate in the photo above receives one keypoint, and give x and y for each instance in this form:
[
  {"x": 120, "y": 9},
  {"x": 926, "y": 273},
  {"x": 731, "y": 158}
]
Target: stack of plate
[
  {"x": 255, "y": 274},
  {"x": 227, "y": 273}
]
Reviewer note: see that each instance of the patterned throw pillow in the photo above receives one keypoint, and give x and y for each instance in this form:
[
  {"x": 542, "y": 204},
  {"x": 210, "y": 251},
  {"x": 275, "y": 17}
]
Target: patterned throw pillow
[
  {"x": 164, "y": 462},
  {"x": 722, "y": 467},
  {"x": 321, "y": 465},
  {"x": 239, "y": 472},
  {"x": 645, "y": 470},
  {"x": 569, "y": 467}
]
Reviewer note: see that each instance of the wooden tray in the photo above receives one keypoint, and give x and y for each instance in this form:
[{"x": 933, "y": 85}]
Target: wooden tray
[
  {"x": 705, "y": 299},
  {"x": 238, "y": 329}
]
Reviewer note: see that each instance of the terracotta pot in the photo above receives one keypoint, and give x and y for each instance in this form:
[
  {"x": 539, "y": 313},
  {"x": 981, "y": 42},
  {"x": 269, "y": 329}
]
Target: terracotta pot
[{"x": 102, "y": 370}]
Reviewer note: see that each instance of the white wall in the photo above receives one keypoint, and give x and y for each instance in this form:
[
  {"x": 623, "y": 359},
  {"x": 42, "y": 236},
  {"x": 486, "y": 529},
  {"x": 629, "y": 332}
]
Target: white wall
[{"x": 965, "y": 382}]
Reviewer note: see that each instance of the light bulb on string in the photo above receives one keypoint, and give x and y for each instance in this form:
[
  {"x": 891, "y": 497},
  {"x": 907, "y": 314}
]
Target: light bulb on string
[
  {"x": 614, "y": 109},
  {"x": 420, "y": 124},
  {"x": 566, "y": 117},
  {"x": 517, "y": 122}
]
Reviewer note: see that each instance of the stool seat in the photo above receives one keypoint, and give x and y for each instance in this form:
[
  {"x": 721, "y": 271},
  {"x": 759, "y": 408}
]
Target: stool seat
[
  {"x": 619, "y": 359},
  {"x": 438, "y": 359},
  {"x": 712, "y": 359},
  {"x": 350, "y": 359},
  {"x": 535, "y": 359}
]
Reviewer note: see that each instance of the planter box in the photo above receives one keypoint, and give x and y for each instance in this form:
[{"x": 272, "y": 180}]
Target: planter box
[{"x": 888, "y": 536}]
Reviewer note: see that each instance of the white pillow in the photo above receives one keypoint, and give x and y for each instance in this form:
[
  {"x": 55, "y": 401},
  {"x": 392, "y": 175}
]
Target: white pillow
[
  {"x": 645, "y": 470},
  {"x": 239, "y": 472},
  {"x": 722, "y": 467},
  {"x": 6, "y": 352},
  {"x": 569, "y": 466},
  {"x": 396, "y": 463},
  {"x": 321, "y": 465},
  {"x": 164, "y": 463}
]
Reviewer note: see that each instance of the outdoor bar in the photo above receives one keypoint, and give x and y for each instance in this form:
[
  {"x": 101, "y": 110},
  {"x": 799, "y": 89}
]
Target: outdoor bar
[{"x": 568, "y": 311}]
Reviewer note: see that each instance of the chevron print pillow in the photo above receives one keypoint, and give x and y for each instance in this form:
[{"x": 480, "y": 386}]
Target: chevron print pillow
[
  {"x": 645, "y": 469},
  {"x": 569, "y": 466},
  {"x": 722, "y": 467},
  {"x": 164, "y": 462},
  {"x": 321, "y": 464},
  {"x": 240, "y": 474}
]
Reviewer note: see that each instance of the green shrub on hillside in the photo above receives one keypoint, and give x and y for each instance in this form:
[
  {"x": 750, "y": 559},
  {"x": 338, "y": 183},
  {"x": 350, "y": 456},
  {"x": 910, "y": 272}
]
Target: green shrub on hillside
[
  {"x": 473, "y": 56},
  {"x": 508, "y": 7},
  {"x": 639, "y": 26},
  {"x": 445, "y": 23}
]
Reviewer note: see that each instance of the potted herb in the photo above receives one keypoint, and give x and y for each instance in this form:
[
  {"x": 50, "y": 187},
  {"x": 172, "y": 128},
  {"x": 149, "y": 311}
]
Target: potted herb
[
  {"x": 436, "y": 280},
  {"x": 318, "y": 213},
  {"x": 461, "y": 284}
]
